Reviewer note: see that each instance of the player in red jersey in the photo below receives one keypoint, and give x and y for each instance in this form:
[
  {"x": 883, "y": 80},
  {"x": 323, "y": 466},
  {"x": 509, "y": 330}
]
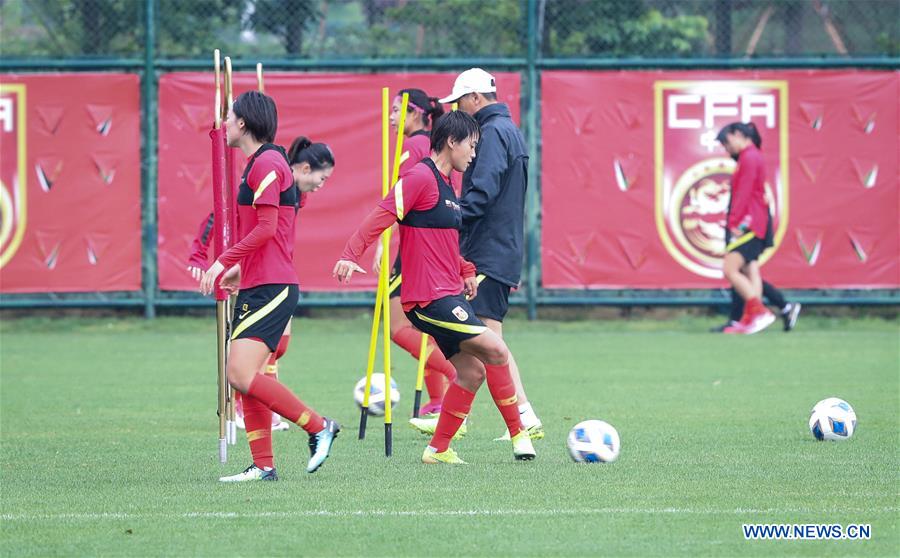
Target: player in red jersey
[
  {"x": 311, "y": 165},
  {"x": 261, "y": 266},
  {"x": 438, "y": 280},
  {"x": 748, "y": 231},
  {"x": 422, "y": 113}
]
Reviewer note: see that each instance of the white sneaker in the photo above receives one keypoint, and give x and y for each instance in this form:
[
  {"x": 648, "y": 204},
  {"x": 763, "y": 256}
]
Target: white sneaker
[
  {"x": 252, "y": 473},
  {"x": 278, "y": 424}
]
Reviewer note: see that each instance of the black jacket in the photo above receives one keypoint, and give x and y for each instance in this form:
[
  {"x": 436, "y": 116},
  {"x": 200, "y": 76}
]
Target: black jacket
[{"x": 493, "y": 198}]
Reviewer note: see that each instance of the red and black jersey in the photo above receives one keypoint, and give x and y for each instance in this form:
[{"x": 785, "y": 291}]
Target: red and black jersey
[
  {"x": 267, "y": 180},
  {"x": 748, "y": 203},
  {"x": 429, "y": 215},
  {"x": 416, "y": 147}
]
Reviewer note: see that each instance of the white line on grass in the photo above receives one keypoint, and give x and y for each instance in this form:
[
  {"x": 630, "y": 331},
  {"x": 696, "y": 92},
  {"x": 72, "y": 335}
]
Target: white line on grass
[{"x": 423, "y": 513}]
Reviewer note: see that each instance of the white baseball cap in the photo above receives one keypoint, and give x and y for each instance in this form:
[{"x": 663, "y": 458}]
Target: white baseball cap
[{"x": 474, "y": 80}]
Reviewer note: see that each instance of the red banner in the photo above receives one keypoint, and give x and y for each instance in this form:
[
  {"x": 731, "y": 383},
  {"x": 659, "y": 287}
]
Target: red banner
[
  {"x": 70, "y": 205},
  {"x": 635, "y": 187},
  {"x": 343, "y": 110}
]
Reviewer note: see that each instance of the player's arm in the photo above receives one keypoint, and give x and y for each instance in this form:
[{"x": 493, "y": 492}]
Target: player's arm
[
  {"x": 468, "y": 273},
  {"x": 415, "y": 192},
  {"x": 265, "y": 183},
  {"x": 485, "y": 177},
  {"x": 198, "y": 259},
  {"x": 739, "y": 220}
]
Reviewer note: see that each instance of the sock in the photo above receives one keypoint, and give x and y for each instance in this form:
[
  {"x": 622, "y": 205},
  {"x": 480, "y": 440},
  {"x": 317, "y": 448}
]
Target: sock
[
  {"x": 456, "y": 406},
  {"x": 773, "y": 295},
  {"x": 282, "y": 400},
  {"x": 435, "y": 384},
  {"x": 258, "y": 419},
  {"x": 503, "y": 391},
  {"x": 737, "y": 307},
  {"x": 272, "y": 372},
  {"x": 527, "y": 416},
  {"x": 439, "y": 363},
  {"x": 238, "y": 403}
]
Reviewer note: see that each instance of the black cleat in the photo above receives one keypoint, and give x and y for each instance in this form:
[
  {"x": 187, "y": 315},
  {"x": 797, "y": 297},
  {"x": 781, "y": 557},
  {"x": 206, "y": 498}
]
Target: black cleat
[{"x": 789, "y": 315}]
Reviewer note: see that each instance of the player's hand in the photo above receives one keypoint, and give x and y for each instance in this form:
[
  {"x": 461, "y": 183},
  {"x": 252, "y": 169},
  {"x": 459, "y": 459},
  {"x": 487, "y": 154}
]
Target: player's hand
[
  {"x": 208, "y": 281},
  {"x": 231, "y": 280},
  {"x": 737, "y": 233},
  {"x": 376, "y": 263},
  {"x": 471, "y": 286},
  {"x": 196, "y": 272},
  {"x": 344, "y": 270}
]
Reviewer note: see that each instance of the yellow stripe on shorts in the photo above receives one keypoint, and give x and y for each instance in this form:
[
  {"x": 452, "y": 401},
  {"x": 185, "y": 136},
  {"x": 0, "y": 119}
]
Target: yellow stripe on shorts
[
  {"x": 462, "y": 328},
  {"x": 261, "y": 313},
  {"x": 395, "y": 283},
  {"x": 739, "y": 242},
  {"x": 480, "y": 277}
]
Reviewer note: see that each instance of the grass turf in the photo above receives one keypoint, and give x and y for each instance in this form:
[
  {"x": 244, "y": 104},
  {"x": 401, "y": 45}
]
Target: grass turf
[{"x": 109, "y": 445}]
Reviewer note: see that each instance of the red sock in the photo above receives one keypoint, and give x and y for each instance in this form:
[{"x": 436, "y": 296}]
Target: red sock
[
  {"x": 282, "y": 400},
  {"x": 258, "y": 420},
  {"x": 435, "y": 384},
  {"x": 455, "y": 409},
  {"x": 439, "y": 363},
  {"x": 503, "y": 391},
  {"x": 409, "y": 339}
]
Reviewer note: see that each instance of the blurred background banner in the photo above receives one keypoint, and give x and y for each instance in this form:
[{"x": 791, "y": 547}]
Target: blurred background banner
[
  {"x": 342, "y": 110},
  {"x": 581, "y": 77},
  {"x": 75, "y": 214},
  {"x": 635, "y": 189}
]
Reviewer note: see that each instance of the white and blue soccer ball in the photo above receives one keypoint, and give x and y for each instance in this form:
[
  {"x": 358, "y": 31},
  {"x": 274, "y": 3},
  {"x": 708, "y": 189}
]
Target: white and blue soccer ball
[
  {"x": 593, "y": 441},
  {"x": 377, "y": 394},
  {"x": 832, "y": 419}
]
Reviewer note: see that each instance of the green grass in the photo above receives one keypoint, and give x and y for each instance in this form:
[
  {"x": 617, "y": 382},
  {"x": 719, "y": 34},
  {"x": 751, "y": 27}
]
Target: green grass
[{"x": 109, "y": 445}]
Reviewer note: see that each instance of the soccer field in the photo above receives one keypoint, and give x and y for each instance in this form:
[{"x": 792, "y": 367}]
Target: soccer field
[{"x": 109, "y": 445}]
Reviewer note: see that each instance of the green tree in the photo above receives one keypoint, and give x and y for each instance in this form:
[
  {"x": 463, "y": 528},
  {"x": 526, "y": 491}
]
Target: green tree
[{"x": 287, "y": 19}]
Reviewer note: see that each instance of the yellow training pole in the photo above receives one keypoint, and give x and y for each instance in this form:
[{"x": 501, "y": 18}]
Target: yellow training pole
[
  {"x": 382, "y": 280},
  {"x": 420, "y": 374},
  {"x": 221, "y": 326},
  {"x": 259, "y": 78},
  {"x": 386, "y": 301}
]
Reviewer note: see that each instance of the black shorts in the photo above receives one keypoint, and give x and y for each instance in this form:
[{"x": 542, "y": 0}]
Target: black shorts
[
  {"x": 749, "y": 246},
  {"x": 492, "y": 299},
  {"x": 450, "y": 320},
  {"x": 263, "y": 312},
  {"x": 396, "y": 281}
]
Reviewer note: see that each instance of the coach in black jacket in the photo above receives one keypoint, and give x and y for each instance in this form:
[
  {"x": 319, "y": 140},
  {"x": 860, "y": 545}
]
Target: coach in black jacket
[{"x": 493, "y": 210}]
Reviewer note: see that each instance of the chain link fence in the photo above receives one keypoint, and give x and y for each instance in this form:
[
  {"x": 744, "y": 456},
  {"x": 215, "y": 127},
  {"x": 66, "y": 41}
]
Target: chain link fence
[{"x": 410, "y": 29}]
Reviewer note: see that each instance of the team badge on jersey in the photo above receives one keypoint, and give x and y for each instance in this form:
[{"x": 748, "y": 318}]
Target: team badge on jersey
[
  {"x": 693, "y": 171},
  {"x": 13, "y": 173},
  {"x": 460, "y": 314}
]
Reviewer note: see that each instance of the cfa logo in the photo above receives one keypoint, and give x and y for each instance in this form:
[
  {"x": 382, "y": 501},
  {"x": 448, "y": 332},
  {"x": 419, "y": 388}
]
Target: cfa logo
[
  {"x": 12, "y": 170},
  {"x": 693, "y": 171}
]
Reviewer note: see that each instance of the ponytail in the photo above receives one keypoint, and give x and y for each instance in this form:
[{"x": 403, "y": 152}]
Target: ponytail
[
  {"x": 317, "y": 155},
  {"x": 434, "y": 112}
]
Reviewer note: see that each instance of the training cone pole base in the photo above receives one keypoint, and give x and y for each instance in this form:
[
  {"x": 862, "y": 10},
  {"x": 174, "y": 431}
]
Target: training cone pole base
[
  {"x": 388, "y": 440},
  {"x": 363, "y": 418},
  {"x": 417, "y": 403}
]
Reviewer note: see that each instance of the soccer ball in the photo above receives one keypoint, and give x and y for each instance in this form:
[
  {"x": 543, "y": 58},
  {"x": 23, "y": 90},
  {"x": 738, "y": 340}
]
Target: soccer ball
[
  {"x": 593, "y": 441},
  {"x": 376, "y": 394},
  {"x": 832, "y": 419}
]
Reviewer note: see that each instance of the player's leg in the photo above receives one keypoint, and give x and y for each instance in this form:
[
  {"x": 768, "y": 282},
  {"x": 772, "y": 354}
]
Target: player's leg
[
  {"x": 272, "y": 368},
  {"x": 790, "y": 311},
  {"x": 491, "y": 305},
  {"x": 267, "y": 310}
]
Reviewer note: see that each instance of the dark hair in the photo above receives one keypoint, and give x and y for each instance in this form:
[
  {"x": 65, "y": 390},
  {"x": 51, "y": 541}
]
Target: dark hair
[
  {"x": 747, "y": 129},
  {"x": 259, "y": 114},
  {"x": 490, "y": 96},
  {"x": 455, "y": 125},
  {"x": 318, "y": 155},
  {"x": 430, "y": 106}
]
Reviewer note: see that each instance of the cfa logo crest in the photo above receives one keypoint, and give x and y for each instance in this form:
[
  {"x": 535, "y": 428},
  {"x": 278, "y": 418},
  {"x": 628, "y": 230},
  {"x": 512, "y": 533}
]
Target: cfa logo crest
[
  {"x": 693, "y": 171},
  {"x": 12, "y": 170}
]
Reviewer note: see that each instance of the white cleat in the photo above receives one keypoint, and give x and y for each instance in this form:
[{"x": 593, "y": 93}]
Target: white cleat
[
  {"x": 252, "y": 473},
  {"x": 523, "y": 449}
]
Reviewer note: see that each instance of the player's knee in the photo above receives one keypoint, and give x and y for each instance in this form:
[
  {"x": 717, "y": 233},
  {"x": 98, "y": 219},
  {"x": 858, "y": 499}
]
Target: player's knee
[
  {"x": 496, "y": 355},
  {"x": 237, "y": 379}
]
